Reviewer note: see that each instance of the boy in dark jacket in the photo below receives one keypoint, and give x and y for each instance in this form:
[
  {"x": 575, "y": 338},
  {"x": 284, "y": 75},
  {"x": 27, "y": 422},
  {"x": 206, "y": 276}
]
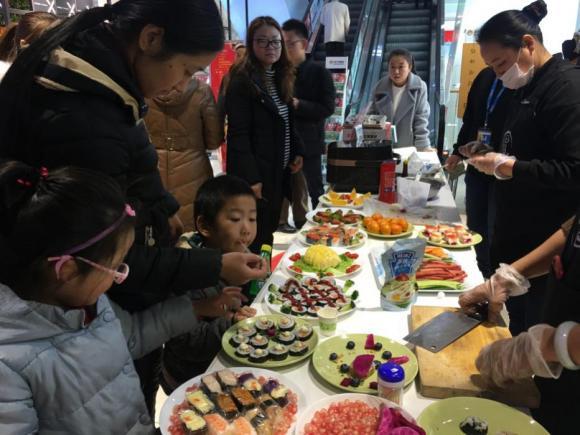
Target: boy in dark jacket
[
  {"x": 225, "y": 218},
  {"x": 314, "y": 101}
]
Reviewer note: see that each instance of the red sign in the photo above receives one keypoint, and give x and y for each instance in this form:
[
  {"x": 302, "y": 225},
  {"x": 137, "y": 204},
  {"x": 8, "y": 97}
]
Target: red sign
[
  {"x": 448, "y": 35},
  {"x": 220, "y": 67}
]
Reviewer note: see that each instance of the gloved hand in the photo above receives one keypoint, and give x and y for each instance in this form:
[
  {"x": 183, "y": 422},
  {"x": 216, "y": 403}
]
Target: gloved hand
[
  {"x": 505, "y": 282},
  {"x": 516, "y": 358},
  {"x": 496, "y": 164}
]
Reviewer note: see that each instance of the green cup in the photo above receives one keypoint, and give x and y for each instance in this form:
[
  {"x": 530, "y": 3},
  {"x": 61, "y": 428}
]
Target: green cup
[{"x": 328, "y": 317}]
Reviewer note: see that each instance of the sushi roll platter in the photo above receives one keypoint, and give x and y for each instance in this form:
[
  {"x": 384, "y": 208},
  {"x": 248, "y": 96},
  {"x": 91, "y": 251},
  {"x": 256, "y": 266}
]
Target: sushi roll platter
[
  {"x": 328, "y": 235},
  {"x": 277, "y": 341},
  {"x": 303, "y": 297},
  {"x": 451, "y": 236},
  {"x": 334, "y": 216},
  {"x": 239, "y": 401},
  {"x": 349, "y": 362}
]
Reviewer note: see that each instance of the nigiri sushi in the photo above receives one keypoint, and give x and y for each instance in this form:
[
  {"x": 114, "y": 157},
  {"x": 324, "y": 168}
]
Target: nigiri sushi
[
  {"x": 216, "y": 424},
  {"x": 227, "y": 378},
  {"x": 194, "y": 424},
  {"x": 241, "y": 426},
  {"x": 211, "y": 385},
  {"x": 200, "y": 402}
]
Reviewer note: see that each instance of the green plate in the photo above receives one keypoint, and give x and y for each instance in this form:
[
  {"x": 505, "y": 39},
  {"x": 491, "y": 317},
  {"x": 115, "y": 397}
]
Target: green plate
[
  {"x": 477, "y": 239},
  {"x": 329, "y": 370},
  {"x": 407, "y": 233},
  {"x": 231, "y": 351},
  {"x": 444, "y": 416}
]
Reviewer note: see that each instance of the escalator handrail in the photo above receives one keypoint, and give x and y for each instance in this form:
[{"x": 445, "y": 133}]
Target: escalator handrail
[{"x": 313, "y": 14}]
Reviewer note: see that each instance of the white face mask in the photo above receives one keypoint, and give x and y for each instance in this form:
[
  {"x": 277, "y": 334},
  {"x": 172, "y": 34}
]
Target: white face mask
[{"x": 515, "y": 78}]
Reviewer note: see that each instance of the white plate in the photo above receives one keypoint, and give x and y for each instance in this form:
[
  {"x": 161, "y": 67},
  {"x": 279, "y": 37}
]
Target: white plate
[
  {"x": 275, "y": 308},
  {"x": 326, "y": 202},
  {"x": 310, "y": 215},
  {"x": 287, "y": 263},
  {"x": 302, "y": 239},
  {"x": 373, "y": 401},
  {"x": 178, "y": 395}
]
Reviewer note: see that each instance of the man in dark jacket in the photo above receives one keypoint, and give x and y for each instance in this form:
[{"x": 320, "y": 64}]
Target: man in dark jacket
[
  {"x": 314, "y": 96},
  {"x": 487, "y": 98}
]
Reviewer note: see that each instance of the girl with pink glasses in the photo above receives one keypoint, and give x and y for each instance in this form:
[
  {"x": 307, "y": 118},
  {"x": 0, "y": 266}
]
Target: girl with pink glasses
[{"x": 66, "y": 351}]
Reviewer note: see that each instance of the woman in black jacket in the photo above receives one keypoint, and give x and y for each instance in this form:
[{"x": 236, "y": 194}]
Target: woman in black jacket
[
  {"x": 263, "y": 148},
  {"x": 75, "y": 97},
  {"x": 538, "y": 165}
]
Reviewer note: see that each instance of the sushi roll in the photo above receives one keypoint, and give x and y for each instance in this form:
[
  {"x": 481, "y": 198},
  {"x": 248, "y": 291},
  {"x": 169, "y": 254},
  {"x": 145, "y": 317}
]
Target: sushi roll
[
  {"x": 227, "y": 378},
  {"x": 312, "y": 237},
  {"x": 243, "y": 398},
  {"x": 238, "y": 339},
  {"x": 200, "y": 402},
  {"x": 211, "y": 385},
  {"x": 260, "y": 421},
  {"x": 247, "y": 331},
  {"x": 313, "y": 311},
  {"x": 322, "y": 303},
  {"x": 263, "y": 324},
  {"x": 193, "y": 423},
  {"x": 286, "y": 337},
  {"x": 244, "y": 350},
  {"x": 278, "y": 352},
  {"x": 473, "y": 426},
  {"x": 216, "y": 424},
  {"x": 298, "y": 310},
  {"x": 265, "y": 401},
  {"x": 241, "y": 426},
  {"x": 250, "y": 383},
  {"x": 259, "y": 356},
  {"x": 298, "y": 348},
  {"x": 304, "y": 332},
  {"x": 286, "y": 324},
  {"x": 274, "y": 413},
  {"x": 271, "y": 385},
  {"x": 226, "y": 406},
  {"x": 259, "y": 342},
  {"x": 436, "y": 237},
  {"x": 280, "y": 395}
]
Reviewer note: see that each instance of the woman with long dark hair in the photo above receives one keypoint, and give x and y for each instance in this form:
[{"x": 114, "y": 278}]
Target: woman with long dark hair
[
  {"x": 263, "y": 148},
  {"x": 76, "y": 97}
]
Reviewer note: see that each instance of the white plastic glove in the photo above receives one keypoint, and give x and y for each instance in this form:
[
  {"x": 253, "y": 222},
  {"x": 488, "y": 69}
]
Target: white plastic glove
[
  {"x": 516, "y": 358},
  {"x": 504, "y": 283}
]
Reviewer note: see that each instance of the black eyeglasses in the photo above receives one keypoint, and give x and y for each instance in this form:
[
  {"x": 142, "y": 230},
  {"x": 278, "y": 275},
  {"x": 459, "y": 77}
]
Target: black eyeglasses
[{"x": 265, "y": 43}]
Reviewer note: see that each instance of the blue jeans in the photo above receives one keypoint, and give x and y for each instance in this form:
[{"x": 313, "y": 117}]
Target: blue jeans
[{"x": 480, "y": 208}]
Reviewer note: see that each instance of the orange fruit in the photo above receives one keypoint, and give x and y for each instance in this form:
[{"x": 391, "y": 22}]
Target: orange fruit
[
  {"x": 385, "y": 228},
  {"x": 396, "y": 229},
  {"x": 373, "y": 227},
  {"x": 367, "y": 220},
  {"x": 377, "y": 216}
]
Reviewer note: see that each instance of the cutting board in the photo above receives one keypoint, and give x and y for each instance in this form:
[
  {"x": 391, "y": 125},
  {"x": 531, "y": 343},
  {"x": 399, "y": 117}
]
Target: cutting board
[{"x": 452, "y": 372}]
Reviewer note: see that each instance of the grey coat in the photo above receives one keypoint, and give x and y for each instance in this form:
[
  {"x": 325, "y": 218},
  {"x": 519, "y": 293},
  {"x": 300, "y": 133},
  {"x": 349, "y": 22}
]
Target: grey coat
[
  {"x": 412, "y": 116},
  {"x": 59, "y": 376}
]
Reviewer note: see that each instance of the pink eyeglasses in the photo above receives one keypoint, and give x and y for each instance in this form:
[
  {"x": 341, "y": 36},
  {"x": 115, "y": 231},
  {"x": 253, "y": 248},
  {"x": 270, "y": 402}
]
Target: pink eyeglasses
[{"x": 119, "y": 275}]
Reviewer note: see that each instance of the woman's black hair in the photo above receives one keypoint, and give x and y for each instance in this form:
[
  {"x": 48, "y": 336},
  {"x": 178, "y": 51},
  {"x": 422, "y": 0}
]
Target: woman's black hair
[
  {"x": 569, "y": 50},
  {"x": 509, "y": 27},
  {"x": 213, "y": 195},
  {"x": 190, "y": 27},
  {"x": 404, "y": 53},
  {"x": 45, "y": 214}
]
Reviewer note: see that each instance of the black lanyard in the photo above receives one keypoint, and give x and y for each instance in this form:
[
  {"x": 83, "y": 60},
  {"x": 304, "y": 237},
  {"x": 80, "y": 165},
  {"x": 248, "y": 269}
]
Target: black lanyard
[{"x": 491, "y": 101}]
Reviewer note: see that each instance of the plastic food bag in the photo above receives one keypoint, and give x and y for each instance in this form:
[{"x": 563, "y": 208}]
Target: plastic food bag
[
  {"x": 400, "y": 263},
  {"x": 411, "y": 193}
]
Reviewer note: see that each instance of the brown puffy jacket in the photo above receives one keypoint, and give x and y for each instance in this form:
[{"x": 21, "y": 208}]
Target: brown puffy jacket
[{"x": 182, "y": 129}]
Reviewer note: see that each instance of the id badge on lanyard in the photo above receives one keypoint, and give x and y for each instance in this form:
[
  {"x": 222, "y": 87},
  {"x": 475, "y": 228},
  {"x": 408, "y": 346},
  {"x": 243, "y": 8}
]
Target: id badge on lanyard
[{"x": 484, "y": 133}]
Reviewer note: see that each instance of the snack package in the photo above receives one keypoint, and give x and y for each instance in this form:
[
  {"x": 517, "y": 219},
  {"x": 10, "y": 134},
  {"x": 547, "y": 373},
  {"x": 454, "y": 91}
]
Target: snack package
[{"x": 400, "y": 263}]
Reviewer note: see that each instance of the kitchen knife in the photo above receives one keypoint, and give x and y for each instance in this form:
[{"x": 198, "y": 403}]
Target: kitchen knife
[{"x": 444, "y": 329}]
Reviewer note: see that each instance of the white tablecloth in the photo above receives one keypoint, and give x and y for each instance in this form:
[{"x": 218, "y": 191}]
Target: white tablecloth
[{"x": 368, "y": 317}]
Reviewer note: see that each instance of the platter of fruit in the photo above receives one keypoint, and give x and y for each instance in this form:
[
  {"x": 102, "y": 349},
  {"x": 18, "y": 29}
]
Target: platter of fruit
[
  {"x": 350, "y": 199},
  {"x": 450, "y": 236},
  {"x": 384, "y": 227},
  {"x": 333, "y": 235},
  {"x": 303, "y": 297},
  {"x": 270, "y": 341},
  {"x": 322, "y": 261},
  {"x": 349, "y": 362}
]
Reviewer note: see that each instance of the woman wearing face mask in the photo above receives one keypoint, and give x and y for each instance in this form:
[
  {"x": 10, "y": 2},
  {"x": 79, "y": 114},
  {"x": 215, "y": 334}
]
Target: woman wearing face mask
[
  {"x": 263, "y": 148},
  {"x": 538, "y": 165},
  {"x": 76, "y": 97}
]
